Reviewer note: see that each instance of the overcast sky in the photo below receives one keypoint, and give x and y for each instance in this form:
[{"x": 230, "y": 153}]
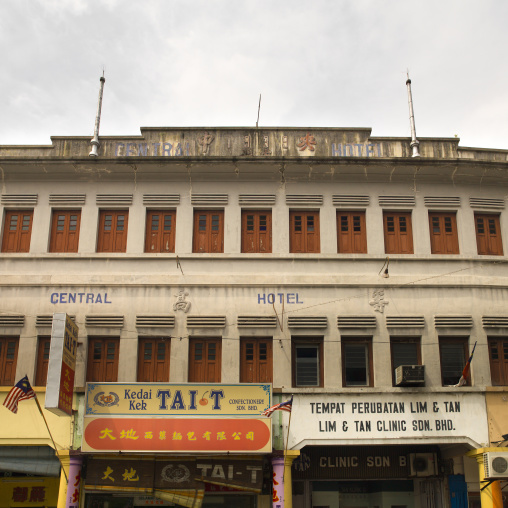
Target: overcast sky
[{"x": 333, "y": 63}]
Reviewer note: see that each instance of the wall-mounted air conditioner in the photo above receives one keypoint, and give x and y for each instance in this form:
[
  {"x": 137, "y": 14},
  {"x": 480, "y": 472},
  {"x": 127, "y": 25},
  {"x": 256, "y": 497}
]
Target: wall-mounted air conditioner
[
  {"x": 406, "y": 375},
  {"x": 495, "y": 465},
  {"x": 423, "y": 464}
]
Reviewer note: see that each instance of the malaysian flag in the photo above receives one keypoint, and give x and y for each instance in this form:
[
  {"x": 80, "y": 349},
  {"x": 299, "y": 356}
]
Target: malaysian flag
[
  {"x": 465, "y": 372},
  {"x": 283, "y": 406},
  {"x": 20, "y": 391}
]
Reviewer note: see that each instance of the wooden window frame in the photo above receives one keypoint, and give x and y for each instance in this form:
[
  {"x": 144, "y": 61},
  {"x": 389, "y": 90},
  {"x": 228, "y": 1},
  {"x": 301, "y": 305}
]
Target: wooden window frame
[
  {"x": 206, "y": 239},
  {"x": 398, "y": 241},
  {"x": 43, "y": 348},
  {"x": 498, "y": 346},
  {"x": 103, "y": 363},
  {"x": 394, "y": 342},
  {"x": 253, "y": 238},
  {"x": 255, "y": 369},
  {"x": 489, "y": 243},
  {"x": 65, "y": 227},
  {"x": 113, "y": 239},
  {"x": 463, "y": 343},
  {"x": 369, "y": 367},
  {"x": 18, "y": 239},
  {"x": 8, "y": 360},
  {"x": 154, "y": 369},
  {"x": 161, "y": 239},
  {"x": 444, "y": 238},
  {"x": 200, "y": 372},
  {"x": 352, "y": 232},
  {"x": 304, "y": 235},
  {"x": 311, "y": 342}
]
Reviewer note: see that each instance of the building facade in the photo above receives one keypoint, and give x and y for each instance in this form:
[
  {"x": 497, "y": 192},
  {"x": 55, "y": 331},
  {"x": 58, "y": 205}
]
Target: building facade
[{"x": 327, "y": 263}]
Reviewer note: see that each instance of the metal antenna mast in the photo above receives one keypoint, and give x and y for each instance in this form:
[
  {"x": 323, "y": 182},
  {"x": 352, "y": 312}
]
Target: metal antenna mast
[
  {"x": 95, "y": 140},
  {"x": 259, "y": 108},
  {"x": 414, "y": 142}
]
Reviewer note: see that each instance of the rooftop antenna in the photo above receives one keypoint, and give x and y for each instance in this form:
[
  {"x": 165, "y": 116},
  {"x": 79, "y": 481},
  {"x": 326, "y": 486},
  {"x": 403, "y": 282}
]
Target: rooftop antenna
[
  {"x": 414, "y": 142},
  {"x": 95, "y": 140},
  {"x": 259, "y": 108}
]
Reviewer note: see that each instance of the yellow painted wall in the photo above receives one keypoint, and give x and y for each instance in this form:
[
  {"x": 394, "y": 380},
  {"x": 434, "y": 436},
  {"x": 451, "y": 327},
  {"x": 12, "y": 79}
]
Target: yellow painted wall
[{"x": 497, "y": 413}]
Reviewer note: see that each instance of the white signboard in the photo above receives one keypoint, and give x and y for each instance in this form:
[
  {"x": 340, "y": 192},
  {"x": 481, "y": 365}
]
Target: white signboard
[{"x": 388, "y": 419}]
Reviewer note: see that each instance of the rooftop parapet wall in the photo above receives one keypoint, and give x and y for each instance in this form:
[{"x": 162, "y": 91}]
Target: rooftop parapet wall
[{"x": 248, "y": 142}]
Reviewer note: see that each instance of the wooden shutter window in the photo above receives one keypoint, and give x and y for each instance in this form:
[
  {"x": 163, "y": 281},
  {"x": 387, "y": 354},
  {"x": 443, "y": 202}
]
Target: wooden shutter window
[
  {"x": 256, "y": 231},
  {"x": 17, "y": 231},
  {"x": 65, "y": 231},
  {"x": 304, "y": 232},
  {"x": 153, "y": 360},
  {"x": 398, "y": 233},
  {"x": 41, "y": 375},
  {"x": 208, "y": 231},
  {"x": 102, "y": 360},
  {"x": 205, "y": 360},
  {"x": 351, "y": 233},
  {"x": 488, "y": 234},
  {"x": 160, "y": 231},
  {"x": 8, "y": 360},
  {"x": 443, "y": 233},
  {"x": 256, "y": 364},
  {"x": 113, "y": 231},
  {"x": 498, "y": 355}
]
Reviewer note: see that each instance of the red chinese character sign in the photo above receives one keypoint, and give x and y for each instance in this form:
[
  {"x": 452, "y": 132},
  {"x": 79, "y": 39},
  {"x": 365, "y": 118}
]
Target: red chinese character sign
[
  {"x": 233, "y": 435},
  {"x": 62, "y": 363}
]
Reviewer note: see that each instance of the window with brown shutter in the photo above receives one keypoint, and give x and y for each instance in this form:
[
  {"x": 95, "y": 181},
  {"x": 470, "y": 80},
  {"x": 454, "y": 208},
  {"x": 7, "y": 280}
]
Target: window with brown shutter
[
  {"x": 160, "y": 231},
  {"x": 351, "y": 233},
  {"x": 17, "y": 231},
  {"x": 112, "y": 230},
  {"x": 41, "y": 373},
  {"x": 153, "y": 360},
  {"x": 102, "y": 359},
  {"x": 256, "y": 231},
  {"x": 307, "y": 361},
  {"x": 498, "y": 355},
  {"x": 443, "y": 233},
  {"x": 205, "y": 360},
  {"x": 398, "y": 233},
  {"x": 357, "y": 364},
  {"x": 304, "y": 232},
  {"x": 65, "y": 231},
  {"x": 488, "y": 234},
  {"x": 256, "y": 360},
  {"x": 8, "y": 359},
  {"x": 208, "y": 231}
]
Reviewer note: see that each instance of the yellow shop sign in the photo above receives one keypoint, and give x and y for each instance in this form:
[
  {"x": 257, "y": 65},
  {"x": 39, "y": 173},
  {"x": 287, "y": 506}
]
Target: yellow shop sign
[{"x": 159, "y": 399}]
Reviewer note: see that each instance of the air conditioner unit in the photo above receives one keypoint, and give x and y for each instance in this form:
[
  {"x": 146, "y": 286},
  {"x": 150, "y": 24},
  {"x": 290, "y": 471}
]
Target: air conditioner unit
[
  {"x": 410, "y": 375},
  {"x": 495, "y": 465},
  {"x": 423, "y": 464}
]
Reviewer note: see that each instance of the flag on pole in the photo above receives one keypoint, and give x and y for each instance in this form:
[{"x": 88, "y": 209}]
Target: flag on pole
[
  {"x": 20, "y": 391},
  {"x": 283, "y": 406},
  {"x": 465, "y": 372}
]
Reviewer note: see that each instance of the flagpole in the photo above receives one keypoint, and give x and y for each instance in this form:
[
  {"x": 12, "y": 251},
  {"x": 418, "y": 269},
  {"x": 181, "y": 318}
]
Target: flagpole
[
  {"x": 287, "y": 439},
  {"x": 52, "y": 440}
]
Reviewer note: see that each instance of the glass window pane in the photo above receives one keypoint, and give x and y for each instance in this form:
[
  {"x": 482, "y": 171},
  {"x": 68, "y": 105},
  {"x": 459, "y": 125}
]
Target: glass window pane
[
  {"x": 14, "y": 223},
  {"x": 356, "y": 364},
  {"x": 307, "y": 365},
  {"x": 452, "y": 362},
  {"x": 404, "y": 353}
]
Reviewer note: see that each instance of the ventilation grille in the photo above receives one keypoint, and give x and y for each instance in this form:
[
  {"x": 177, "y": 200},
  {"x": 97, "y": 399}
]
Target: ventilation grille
[
  {"x": 348, "y": 200},
  {"x": 67, "y": 199},
  {"x": 405, "y": 321},
  {"x": 155, "y": 321},
  {"x": 492, "y": 203},
  {"x": 495, "y": 321},
  {"x": 356, "y": 322},
  {"x": 397, "y": 201},
  {"x": 442, "y": 202},
  {"x": 256, "y": 322},
  {"x": 161, "y": 199},
  {"x": 114, "y": 199},
  {"x": 19, "y": 199},
  {"x": 304, "y": 199},
  {"x": 256, "y": 199},
  {"x": 105, "y": 321},
  {"x": 453, "y": 321},
  {"x": 46, "y": 320},
  {"x": 17, "y": 321},
  {"x": 206, "y": 321},
  {"x": 209, "y": 199},
  {"x": 307, "y": 322}
]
